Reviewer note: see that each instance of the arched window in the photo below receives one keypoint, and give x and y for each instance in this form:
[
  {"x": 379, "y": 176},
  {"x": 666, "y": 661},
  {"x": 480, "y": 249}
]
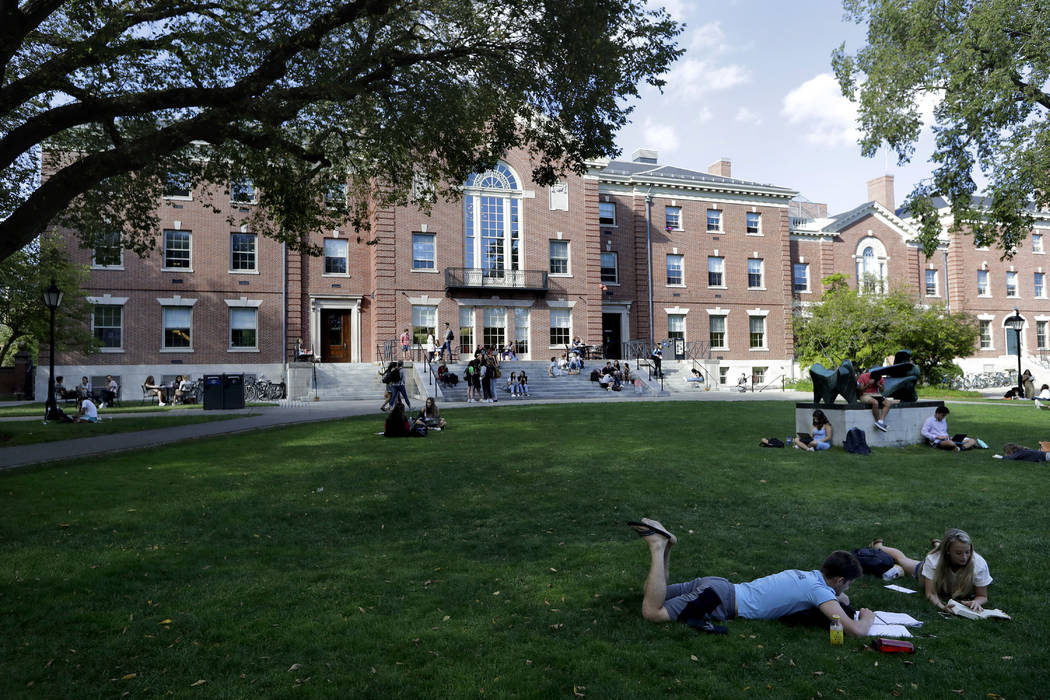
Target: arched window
[
  {"x": 871, "y": 266},
  {"x": 492, "y": 221}
]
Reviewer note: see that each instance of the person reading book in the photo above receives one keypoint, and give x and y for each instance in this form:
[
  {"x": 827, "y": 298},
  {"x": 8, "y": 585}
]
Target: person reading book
[
  {"x": 951, "y": 570},
  {"x": 701, "y": 600}
]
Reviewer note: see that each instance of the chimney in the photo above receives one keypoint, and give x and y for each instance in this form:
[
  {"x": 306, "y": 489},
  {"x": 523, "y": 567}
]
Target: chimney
[
  {"x": 722, "y": 167},
  {"x": 645, "y": 155},
  {"x": 881, "y": 190}
]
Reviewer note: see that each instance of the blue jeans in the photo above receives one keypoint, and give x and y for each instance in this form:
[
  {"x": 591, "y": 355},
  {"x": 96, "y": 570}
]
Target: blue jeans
[{"x": 396, "y": 389}]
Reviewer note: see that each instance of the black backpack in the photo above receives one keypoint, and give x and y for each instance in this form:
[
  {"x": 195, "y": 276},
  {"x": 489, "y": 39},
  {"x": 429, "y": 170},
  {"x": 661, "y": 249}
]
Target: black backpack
[
  {"x": 390, "y": 376},
  {"x": 856, "y": 442}
]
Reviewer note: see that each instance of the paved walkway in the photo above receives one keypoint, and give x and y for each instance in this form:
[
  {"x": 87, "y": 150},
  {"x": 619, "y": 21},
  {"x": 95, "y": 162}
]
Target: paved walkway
[{"x": 305, "y": 412}]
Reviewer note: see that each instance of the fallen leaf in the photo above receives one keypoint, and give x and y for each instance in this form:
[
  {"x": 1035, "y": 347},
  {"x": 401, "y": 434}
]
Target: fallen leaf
[
  {"x": 1008, "y": 658},
  {"x": 554, "y": 570},
  {"x": 818, "y": 673},
  {"x": 129, "y": 676},
  {"x": 495, "y": 593},
  {"x": 166, "y": 621},
  {"x": 446, "y": 618},
  {"x": 200, "y": 682},
  {"x": 295, "y": 667},
  {"x": 693, "y": 657}
]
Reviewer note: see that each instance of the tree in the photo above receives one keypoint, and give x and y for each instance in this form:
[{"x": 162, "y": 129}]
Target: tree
[
  {"x": 986, "y": 63},
  {"x": 23, "y": 315},
  {"x": 867, "y": 328},
  {"x": 126, "y": 98}
]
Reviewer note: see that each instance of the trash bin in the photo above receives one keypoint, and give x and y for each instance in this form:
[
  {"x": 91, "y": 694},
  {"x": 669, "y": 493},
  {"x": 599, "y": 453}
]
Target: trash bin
[
  {"x": 233, "y": 391},
  {"x": 212, "y": 391}
]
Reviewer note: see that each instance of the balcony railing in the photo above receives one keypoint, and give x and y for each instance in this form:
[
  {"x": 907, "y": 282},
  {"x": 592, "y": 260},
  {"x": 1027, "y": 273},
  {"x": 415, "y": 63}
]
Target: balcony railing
[{"x": 480, "y": 278}]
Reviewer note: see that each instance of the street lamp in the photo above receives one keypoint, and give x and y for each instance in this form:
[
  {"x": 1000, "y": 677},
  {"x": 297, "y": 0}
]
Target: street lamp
[
  {"x": 52, "y": 299},
  {"x": 1017, "y": 323}
]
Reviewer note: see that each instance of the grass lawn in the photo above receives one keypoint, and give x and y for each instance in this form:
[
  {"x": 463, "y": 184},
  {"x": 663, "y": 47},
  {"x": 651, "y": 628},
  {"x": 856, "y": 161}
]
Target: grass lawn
[
  {"x": 492, "y": 559},
  {"x": 14, "y": 433}
]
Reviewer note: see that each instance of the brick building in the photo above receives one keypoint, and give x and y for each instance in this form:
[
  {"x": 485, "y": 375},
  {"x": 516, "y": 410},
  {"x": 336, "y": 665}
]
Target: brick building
[{"x": 513, "y": 261}]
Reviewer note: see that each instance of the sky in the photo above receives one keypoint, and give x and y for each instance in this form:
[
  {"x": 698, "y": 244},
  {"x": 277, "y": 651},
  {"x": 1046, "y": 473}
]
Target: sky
[{"x": 756, "y": 86}]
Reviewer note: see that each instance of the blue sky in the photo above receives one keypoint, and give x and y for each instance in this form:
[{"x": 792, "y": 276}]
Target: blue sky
[{"x": 756, "y": 86}]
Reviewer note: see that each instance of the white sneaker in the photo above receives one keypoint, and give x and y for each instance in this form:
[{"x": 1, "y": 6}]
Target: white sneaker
[
  {"x": 879, "y": 425},
  {"x": 893, "y": 572}
]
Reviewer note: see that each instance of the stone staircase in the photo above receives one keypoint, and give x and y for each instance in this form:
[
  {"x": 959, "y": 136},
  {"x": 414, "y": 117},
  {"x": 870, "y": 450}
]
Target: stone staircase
[
  {"x": 352, "y": 381},
  {"x": 541, "y": 386}
]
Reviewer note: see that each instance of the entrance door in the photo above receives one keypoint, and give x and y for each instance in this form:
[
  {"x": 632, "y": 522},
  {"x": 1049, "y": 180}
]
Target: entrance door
[
  {"x": 611, "y": 337},
  {"x": 335, "y": 335}
]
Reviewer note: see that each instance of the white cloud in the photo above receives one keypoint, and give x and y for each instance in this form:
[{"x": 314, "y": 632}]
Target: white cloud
[
  {"x": 708, "y": 38},
  {"x": 747, "y": 116},
  {"x": 661, "y": 137},
  {"x": 828, "y": 118},
  {"x": 678, "y": 9},
  {"x": 692, "y": 78}
]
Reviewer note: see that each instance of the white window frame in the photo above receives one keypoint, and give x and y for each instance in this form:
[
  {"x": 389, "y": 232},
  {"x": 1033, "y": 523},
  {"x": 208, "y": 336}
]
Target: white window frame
[
  {"x": 805, "y": 268},
  {"x": 108, "y": 300},
  {"x": 254, "y": 269},
  {"x": 752, "y": 315},
  {"x": 936, "y": 283},
  {"x": 1012, "y": 275},
  {"x": 1038, "y": 238},
  {"x": 119, "y": 265},
  {"x": 725, "y": 330},
  {"x": 164, "y": 252},
  {"x": 615, "y": 267},
  {"x": 560, "y": 315},
  {"x": 681, "y": 269},
  {"x": 424, "y": 236},
  {"x": 987, "y": 283},
  {"x": 714, "y": 221},
  {"x": 243, "y": 191},
  {"x": 188, "y": 197},
  {"x": 985, "y": 341},
  {"x": 559, "y": 243},
  {"x": 761, "y": 274},
  {"x": 747, "y": 223},
  {"x": 609, "y": 206},
  {"x": 673, "y": 319},
  {"x": 325, "y": 256},
  {"x": 173, "y": 304},
  {"x": 1040, "y": 334},
  {"x": 558, "y": 198},
  {"x": 722, "y": 263},
  {"x": 502, "y": 184},
  {"x": 421, "y": 314},
  {"x": 1039, "y": 290},
  {"x": 243, "y": 313},
  {"x": 673, "y": 218}
]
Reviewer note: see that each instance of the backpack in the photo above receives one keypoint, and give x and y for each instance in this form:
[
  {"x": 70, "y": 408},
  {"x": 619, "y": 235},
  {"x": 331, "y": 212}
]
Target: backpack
[
  {"x": 875, "y": 562},
  {"x": 449, "y": 335},
  {"x": 856, "y": 442},
  {"x": 390, "y": 376}
]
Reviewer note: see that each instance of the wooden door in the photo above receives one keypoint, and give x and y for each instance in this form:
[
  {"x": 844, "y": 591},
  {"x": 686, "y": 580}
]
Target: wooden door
[{"x": 335, "y": 341}]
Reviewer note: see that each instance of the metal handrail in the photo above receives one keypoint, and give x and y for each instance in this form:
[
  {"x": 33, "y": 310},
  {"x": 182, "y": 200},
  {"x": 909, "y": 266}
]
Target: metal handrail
[{"x": 783, "y": 381}]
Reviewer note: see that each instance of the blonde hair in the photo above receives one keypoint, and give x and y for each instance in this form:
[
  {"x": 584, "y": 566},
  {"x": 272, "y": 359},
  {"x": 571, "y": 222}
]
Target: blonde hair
[{"x": 954, "y": 583}]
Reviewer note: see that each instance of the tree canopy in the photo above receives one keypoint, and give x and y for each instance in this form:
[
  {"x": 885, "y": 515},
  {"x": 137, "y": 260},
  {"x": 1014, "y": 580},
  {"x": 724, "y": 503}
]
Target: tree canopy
[
  {"x": 867, "y": 328},
  {"x": 125, "y": 98},
  {"x": 986, "y": 64}
]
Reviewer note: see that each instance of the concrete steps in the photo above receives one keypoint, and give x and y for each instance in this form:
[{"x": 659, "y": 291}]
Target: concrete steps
[{"x": 541, "y": 385}]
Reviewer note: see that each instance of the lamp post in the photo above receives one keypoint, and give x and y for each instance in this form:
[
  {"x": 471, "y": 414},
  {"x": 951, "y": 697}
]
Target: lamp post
[
  {"x": 1017, "y": 323},
  {"x": 52, "y": 299}
]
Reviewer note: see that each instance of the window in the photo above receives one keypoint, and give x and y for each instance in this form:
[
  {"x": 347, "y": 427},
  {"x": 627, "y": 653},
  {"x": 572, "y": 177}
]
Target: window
[
  {"x": 754, "y": 222},
  {"x": 335, "y": 195},
  {"x": 800, "y": 280},
  {"x": 178, "y": 321},
  {"x": 676, "y": 326},
  {"x": 560, "y": 320},
  {"x": 494, "y": 332},
  {"x": 1039, "y": 280},
  {"x": 1011, "y": 284},
  {"x": 714, "y": 220},
  {"x": 1040, "y": 334},
  {"x": 610, "y": 268},
  {"x": 982, "y": 283},
  {"x": 242, "y": 252},
  {"x": 758, "y": 374},
  {"x": 715, "y": 272},
  {"x": 243, "y": 192},
  {"x": 559, "y": 197},
  {"x": 521, "y": 331},
  {"x": 673, "y": 218},
  {"x": 492, "y": 224},
  {"x": 674, "y": 270},
  {"x": 1037, "y": 243},
  {"x": 754, "y": 273},
  {"x": 335, "y": 256},
  {"x": 757, "y": 329},
  {"x": 931, "y": 283},
  {"x": 244, "y": 328},
  {"x": 986, "y": 335},
  {"x": 466, "y": 330},
  {"x": 107, "y": 324},
  {"x": 424, "y": 323},
  {"x": 177, "y": 185},
  {"x": 107, "y": 251},
  {"x": 723, "y": 375},
  {"x": 607, "y": 213},
  {"x": 717, "y": 325},
  {"x": 423, "y": 253},
  {"x": 559, "y": 256},
  {"x": 177, "y": 250}
]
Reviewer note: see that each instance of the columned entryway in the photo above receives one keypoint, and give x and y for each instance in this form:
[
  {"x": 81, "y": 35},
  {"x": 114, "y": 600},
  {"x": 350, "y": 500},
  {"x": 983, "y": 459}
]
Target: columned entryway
[{"x": 335, "y": 328}]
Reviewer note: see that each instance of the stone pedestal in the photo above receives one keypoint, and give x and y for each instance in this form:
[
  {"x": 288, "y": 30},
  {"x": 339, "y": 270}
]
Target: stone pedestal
[{"x": 904, "y": 422}]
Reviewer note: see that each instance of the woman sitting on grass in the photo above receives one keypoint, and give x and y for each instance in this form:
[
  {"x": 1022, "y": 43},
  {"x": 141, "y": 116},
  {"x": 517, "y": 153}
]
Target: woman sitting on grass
[
  {"x": 431, "y": 416},
  {"x": 821, "y": 437},
  {"x": 950, "y": 570},
  {"x": 397, "y": 424}
]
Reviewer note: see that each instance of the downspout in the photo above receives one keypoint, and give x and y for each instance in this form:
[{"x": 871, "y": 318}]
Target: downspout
[
  {"x": 649, "y": 255},
  {"x": 284, "y": 310},
  {"x": 947, "y": 300}
]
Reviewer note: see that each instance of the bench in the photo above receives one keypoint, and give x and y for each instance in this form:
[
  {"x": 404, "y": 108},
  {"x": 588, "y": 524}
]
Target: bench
[{"x": 904, "y": 422}]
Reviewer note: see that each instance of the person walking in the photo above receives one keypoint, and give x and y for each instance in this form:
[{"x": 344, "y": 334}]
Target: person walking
[
  {"x": 397, "y": 387},
  {"x": 658, "y": 357},
  {"x": 446, "y": 346}
]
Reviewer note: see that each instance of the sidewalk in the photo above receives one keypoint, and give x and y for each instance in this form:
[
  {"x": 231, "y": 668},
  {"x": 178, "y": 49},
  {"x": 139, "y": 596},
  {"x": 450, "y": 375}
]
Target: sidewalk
[{"x": 307, "y": 412}]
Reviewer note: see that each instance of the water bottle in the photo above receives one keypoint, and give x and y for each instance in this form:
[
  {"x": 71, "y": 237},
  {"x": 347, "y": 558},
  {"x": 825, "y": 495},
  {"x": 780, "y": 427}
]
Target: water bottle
[
  {"x": 836, "y": 631},
  {"x": 788, "y": 441}
]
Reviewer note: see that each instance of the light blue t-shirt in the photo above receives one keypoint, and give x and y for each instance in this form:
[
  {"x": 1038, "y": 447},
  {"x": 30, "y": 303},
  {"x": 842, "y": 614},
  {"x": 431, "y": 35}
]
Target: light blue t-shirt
[{"x": 777, "y": 595}]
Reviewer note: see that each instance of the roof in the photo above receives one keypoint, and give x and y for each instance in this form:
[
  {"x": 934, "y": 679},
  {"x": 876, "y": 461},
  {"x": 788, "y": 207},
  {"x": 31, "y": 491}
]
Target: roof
[{"x": 667, "y": 174}]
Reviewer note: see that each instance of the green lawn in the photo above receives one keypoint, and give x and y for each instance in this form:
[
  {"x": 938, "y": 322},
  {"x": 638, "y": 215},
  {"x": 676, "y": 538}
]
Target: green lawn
[
  {"x": 13, "y": 433},
  {"x": 492, "y": 560}
]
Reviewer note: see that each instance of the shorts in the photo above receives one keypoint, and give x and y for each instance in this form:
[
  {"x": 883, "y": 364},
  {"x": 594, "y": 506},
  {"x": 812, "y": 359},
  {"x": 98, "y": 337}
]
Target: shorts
[
  {"x": 89, "y": 419},
  {"x": 679, "y": 595}
]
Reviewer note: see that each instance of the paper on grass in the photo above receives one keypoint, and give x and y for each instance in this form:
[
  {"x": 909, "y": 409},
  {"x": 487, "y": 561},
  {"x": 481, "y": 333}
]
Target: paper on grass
[
  {"x": 899, "y": 589},
  {"x": 881, "y": 630},
  {"x": 895, "y": 618}
]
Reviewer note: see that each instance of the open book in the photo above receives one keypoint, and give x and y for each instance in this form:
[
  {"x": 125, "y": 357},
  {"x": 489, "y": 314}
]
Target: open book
[
  {"x": 961, "y": 610},
  {"x": 891, "y": 624}
]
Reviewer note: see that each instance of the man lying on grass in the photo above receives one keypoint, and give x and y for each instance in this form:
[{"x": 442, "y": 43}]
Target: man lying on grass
[{"x": 768, "y": 598}]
